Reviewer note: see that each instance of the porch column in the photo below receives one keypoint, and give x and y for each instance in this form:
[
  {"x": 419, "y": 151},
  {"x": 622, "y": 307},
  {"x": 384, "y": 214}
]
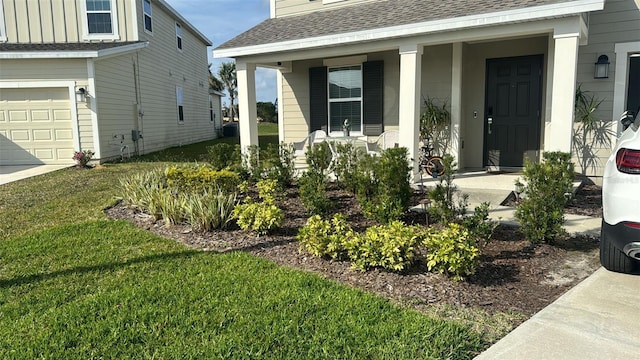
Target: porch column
[
  {"x": 248, "y": 117},
  {"x": 559, "y": 128},
  {"x": 409, "y": 99},
  {"x": 456, "y": 104}
]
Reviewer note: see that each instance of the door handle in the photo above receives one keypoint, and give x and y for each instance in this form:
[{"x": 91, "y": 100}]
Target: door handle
[{"x": 489, "y": 122}]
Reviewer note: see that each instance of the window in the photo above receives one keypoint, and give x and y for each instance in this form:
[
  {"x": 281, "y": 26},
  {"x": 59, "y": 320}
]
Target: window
[
  {"x": 633, "y": 86},
  {"x": 212, "y": 115},
  {"x": 100, "y": 20},
  {"x": 345, "y": 98},
  {"x": 179, "y": 104},
  {"x": 146, "y": 9},
  {"x": 179, "y": 36}
]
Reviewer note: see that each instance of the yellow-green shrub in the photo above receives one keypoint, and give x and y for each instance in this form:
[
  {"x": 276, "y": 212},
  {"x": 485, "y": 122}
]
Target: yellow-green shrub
[
  {"x": 452, "y": 251},
  {"x": 200, "y": 177},
  {"x": 325, "y": 238},
  {"x": 259, "y": 217}
]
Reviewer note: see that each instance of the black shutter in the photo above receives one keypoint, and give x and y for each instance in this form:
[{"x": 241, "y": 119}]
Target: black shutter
[
  {"x": 372, "y": 97},
  {"x": 318, "y": 99}
]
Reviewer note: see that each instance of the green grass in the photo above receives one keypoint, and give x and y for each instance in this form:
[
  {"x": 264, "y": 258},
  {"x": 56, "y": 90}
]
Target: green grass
[
  {"x": 76, "y": 285},
  {"x": 108, "y": 289}
]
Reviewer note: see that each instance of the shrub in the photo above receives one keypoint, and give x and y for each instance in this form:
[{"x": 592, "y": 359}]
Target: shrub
[
  {"x": 136, "y": 189},
  {"x": 479, "y": 224},
  {"x": 312, "y": 188},
  {"x": 452, "y": 251},
  {"x": 259, "y": 217},
  {"x": 548, "y": 187},
  {"x": 251, "y": 163},
  {"x": 319, "y": 158},
  {"x": 447, "y": 204},
  {"x": 346, "y": 167},
  {"x": 171, "y": 206},
  {"x": 223, "y": 156},
  {"x": 200, "y": 177},
  {"x": 209, "y": 210},
  {"x": 267, "y": 190},
  {"x": 277, "y": 162},
  {"x": 392, "y": 246},
  {"x": 383, "y": 186},
  {"x": 324, "y": 238}
]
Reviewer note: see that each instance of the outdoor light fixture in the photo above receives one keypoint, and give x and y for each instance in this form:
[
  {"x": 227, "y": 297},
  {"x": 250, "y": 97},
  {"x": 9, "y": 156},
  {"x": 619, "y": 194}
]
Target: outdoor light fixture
[
  {"x": 602, "y": 67},
  {"x": 81, "y": 95}
]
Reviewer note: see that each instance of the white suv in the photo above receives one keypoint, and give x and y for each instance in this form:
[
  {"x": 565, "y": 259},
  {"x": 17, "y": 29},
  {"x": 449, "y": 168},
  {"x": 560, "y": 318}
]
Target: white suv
[{"x": 620, "y": 232}]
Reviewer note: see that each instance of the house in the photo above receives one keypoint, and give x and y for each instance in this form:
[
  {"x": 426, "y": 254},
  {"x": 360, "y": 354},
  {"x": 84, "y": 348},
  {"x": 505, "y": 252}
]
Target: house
[
  {"x": 116, "y": 77},
  {"x": 509, "y": 70}
]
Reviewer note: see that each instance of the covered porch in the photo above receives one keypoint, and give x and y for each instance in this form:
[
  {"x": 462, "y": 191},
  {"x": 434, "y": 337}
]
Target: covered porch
[{"x": 508, "y": 82}]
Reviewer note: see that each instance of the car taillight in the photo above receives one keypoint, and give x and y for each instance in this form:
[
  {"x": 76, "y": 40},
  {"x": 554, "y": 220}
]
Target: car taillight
[
  {"x": 632, "y": 225},
  {"x": 628, "y": 161}
]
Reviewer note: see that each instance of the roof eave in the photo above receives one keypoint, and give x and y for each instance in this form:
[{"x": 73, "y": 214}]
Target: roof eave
[
  {"x": 73, "y": 54},
  {"x": 185, "y": 22},
  {"x": 465, "y": 22}
]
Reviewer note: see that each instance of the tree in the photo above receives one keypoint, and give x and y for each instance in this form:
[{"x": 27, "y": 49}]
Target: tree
[
  {"x": 214, "y": 82},
  {"x": 227, "y": 74},
  {"x": 266, "y": 111}
]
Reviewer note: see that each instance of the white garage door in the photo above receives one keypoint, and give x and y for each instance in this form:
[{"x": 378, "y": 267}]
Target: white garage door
[{"x": 35, "y": 126}]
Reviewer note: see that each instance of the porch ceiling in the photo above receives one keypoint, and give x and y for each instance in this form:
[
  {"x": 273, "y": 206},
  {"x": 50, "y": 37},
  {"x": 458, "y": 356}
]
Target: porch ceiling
[{"x": 387, "y": 19}]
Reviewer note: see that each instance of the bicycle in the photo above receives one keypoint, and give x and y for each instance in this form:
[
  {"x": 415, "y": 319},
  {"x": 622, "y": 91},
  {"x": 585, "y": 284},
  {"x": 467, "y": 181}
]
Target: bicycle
[{"x": 429, "y": 163}]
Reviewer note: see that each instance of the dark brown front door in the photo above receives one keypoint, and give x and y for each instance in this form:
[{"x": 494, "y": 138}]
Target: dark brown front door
[{"x": 512, "y": 111}]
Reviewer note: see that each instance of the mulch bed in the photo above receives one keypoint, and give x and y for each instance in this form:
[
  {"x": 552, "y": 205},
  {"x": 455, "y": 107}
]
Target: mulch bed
[{"x": 513, "y": 276}]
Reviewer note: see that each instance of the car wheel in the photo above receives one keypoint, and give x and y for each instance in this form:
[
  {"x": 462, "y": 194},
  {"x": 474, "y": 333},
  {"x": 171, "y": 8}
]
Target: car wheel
[{"x": 613, "y": 259}]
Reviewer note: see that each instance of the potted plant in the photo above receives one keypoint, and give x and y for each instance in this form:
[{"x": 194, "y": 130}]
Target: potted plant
[
  {"x": 434, "y": 125},
  {"x": 81, "y": 158}
]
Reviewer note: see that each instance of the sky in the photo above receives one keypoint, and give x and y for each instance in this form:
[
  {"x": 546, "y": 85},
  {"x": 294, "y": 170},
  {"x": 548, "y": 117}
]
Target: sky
[{"x": 222, "y": 20}]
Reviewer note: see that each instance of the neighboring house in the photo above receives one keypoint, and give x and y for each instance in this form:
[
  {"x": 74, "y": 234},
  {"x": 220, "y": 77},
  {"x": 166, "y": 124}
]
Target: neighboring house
[
  {"x": 507, "y": 69},
  {"x": 215, "y": 109},
  {"x": 111, "y": 76}
]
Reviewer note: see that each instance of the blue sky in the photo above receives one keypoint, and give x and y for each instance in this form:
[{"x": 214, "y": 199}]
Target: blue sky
[{"x": 221, "y": 20}]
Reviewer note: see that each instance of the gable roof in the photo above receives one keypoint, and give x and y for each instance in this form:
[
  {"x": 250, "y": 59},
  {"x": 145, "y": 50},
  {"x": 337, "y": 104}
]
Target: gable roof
[
  {"x": 67, "y": 50},
  {"x": 392, "y": 14}
]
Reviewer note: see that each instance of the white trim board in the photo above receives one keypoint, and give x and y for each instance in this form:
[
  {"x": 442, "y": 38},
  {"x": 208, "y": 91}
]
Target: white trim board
[{"x": 73, "y": 54}]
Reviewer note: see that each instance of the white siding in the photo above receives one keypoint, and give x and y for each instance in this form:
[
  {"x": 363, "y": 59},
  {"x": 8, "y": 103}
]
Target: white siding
[{"x": 299, "y": 7}]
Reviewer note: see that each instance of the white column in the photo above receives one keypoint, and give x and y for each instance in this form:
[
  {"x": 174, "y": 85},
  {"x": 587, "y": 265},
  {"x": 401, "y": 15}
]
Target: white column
[
  {"x": 409, "y": 99},
  {"x": 558, "y": 131},
  {"x": 456, "y": 103},
  {"x": 248, "y": 119},
  {"x": 280, "y": 109}
]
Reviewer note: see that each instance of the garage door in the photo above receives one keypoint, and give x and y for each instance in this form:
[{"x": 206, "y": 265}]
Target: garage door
[{"x": 35, "y": 126}]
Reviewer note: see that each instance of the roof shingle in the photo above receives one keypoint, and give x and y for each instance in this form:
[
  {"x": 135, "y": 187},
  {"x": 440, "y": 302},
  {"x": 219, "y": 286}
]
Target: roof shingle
[
  {"x": 86, "y": 46},
  {"x": 370, "y": 15}
]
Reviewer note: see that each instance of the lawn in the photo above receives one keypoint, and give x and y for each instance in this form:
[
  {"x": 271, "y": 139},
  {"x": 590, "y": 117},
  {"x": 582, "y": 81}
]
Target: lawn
[{"x": 77, "y": 285}]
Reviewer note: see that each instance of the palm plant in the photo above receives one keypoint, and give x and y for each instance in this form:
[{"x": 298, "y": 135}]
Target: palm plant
[
  {"x": 590, "y": 132},
  {"x": 227, "y": 74}
]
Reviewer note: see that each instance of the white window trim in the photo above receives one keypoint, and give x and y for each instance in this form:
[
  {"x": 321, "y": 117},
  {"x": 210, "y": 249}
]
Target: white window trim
[
  {"x": 179, "y": 103},
  {"x": 623, "y": 52},
  {"x": 144, "y": 14},
  {"x": 179, "y": 45},
  {"x": 329, "y": 101},
  {"x": 3, "y": 29},
  {"x": 115, "y": 35}
]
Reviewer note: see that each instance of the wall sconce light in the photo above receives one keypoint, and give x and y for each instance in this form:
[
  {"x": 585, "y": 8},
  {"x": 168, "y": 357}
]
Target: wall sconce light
[
  {"x": 81, "y": 95},
  {"x": 602, "y": 67}
]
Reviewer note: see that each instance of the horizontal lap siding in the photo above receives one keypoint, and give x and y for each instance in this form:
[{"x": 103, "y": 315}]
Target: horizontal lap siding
[
  {"x": 56, "y": 21},
  {"x": 162, "y": 68},
  {"x": 619, "y": 22},
  {"x": 297, "y": 7}
]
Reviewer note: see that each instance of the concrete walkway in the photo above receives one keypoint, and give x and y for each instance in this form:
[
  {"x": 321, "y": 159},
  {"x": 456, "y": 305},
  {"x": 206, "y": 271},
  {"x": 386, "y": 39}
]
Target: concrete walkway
[
  {"x": 597, "y": 319},
  {"x": 14, "y": 173}
]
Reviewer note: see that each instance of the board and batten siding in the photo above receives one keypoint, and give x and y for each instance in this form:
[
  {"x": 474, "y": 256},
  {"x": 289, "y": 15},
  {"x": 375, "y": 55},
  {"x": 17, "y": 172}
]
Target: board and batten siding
[
  {"x": 57, "y": 21},
  {"x": 42, "y": 70},
  {"x": 619, "y": 22},
  {"x": 162, "y": 68},
  {"x": 299, "y": 7}
]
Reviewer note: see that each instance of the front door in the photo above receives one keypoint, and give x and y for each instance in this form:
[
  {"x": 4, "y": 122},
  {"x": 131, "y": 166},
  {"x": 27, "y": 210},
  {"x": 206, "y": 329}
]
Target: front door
[{"x": 512, "y": 111}]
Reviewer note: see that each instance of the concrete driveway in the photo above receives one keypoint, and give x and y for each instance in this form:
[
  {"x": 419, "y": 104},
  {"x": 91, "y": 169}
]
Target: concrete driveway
[{"x": 11, "y": 173}]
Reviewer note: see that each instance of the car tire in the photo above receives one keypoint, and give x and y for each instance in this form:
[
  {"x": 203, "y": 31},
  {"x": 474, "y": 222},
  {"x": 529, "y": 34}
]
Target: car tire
[{"x": 613, "y": 259}]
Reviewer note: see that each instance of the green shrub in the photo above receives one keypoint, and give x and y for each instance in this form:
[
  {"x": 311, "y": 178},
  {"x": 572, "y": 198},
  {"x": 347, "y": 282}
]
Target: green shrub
[
  {"x": 447, "y": 205},
  {"x": 200, "y": 177},
  {"x": 479, "y": 224},
  {"x": 223, "y": 156},
  {"x": 324, "y": 238},
  {"x": 251, "y": 163},
  {"x": 209, "y": 210},
  {"x": 346, "y": 166},
  {"x": 267, "y": 190},
  {"x": 277, "y": 162},
  {"x": 452, "y": 251},
  {"x": 548, "y": 187},
  {"x": 259, "y": 217},
  {"x": 383, "y": 187},
  {"x": 319, "y": 158},
  {"x": 392, "y": 246},
  {"x": 312, "y": 188}
]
